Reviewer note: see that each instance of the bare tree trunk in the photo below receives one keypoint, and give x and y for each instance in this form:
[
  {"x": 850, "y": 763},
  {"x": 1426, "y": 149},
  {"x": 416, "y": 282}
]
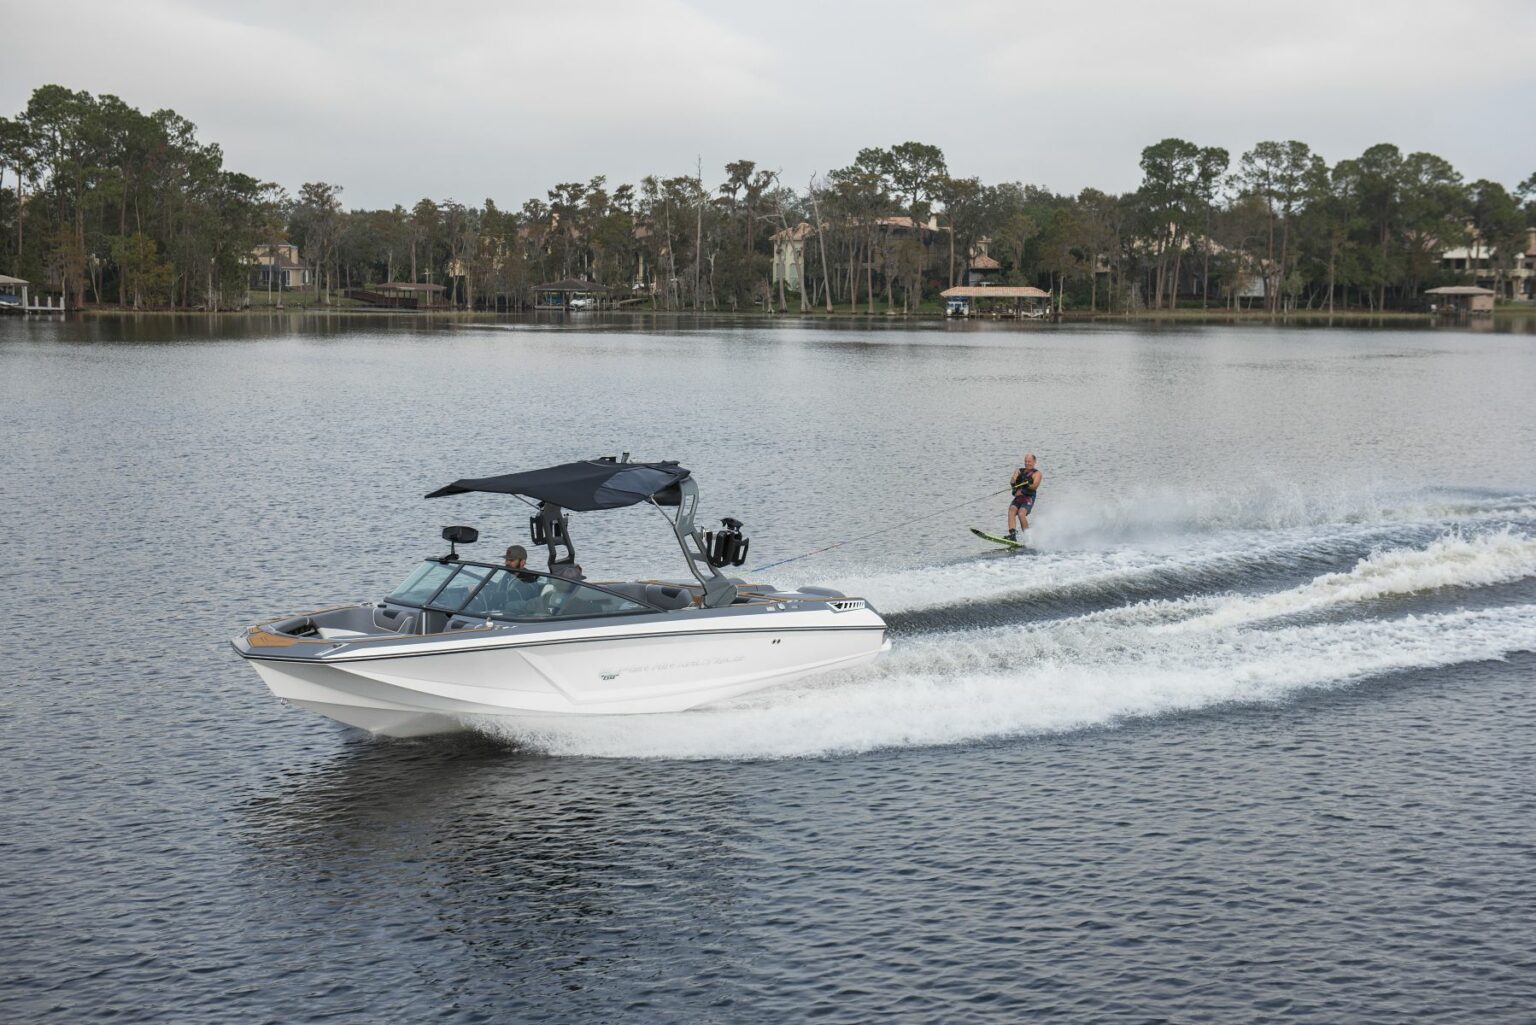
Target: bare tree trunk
[
  {"x": 821, "y": 243},
  {"x": 122, "y": 232},
  {"x": 855, "y": 246},
  {"x": 1173, "y": 284},
  {"x": 671, "y": 260},
  {"x": 1332, "y": 252},
  {"x": 1269, "y": 265},
  {"x": 853, "y": 275},
  {"x": 698, "y": 236},
  {"x": 869, "y": 274},
  {"x": 1383, "y": 284},
  {"x": 951, "y": 252},
  {"x": 889, "y": 272},
  {"x": 1280, "y": 275},
  {"x": 805, "y": 300},
  {"x": 1205, "y": 270}
]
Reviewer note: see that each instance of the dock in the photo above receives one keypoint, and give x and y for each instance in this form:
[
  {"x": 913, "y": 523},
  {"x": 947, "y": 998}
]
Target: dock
[
  {"x": 1012, "y": 301},
  {"x": 15, "y": 298}
]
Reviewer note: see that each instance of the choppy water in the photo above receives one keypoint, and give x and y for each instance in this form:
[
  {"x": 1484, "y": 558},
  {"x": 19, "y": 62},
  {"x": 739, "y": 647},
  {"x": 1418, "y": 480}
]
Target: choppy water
[{"x": 1248, "y": 738}]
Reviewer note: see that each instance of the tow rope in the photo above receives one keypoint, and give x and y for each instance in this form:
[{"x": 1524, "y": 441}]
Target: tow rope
[{"x": 885, "y": 530}]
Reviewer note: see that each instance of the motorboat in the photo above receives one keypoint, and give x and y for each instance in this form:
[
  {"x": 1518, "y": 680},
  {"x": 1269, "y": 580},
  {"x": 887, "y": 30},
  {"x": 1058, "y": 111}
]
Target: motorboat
[{"x": 461, "y": 640}]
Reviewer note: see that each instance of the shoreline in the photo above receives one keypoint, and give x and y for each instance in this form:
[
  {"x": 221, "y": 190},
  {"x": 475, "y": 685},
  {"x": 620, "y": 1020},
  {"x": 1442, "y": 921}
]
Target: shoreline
[{"x": 1069, "y": 316}]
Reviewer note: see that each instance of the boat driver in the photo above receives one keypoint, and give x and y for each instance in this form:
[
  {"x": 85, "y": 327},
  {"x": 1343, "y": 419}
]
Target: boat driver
[
  {"x": 1024, "y": 483},
  {"x": 520, "y": 590}
]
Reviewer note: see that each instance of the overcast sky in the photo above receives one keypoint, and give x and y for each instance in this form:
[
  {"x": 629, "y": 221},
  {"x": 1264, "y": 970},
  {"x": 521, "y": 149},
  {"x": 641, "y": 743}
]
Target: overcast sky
[{"x": 499, "y": 99}]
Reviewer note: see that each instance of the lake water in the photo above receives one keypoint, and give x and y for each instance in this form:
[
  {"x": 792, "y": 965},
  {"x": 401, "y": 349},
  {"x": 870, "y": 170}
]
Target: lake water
[{"x": 1248, "y": 737}]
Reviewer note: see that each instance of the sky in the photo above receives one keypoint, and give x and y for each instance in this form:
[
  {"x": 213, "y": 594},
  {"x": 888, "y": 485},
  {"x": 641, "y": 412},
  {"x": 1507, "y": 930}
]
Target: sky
[{"x": 470, "y": 99}]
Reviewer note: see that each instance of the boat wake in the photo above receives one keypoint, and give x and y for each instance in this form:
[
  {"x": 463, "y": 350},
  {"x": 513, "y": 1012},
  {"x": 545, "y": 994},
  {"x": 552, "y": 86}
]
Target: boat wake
[
  {"x": 1098, "y": 521},
  {"x": 1451, "y": 562},
  {"x": 1434, "y": 594},
  {"x": 1202, "y": 557}
]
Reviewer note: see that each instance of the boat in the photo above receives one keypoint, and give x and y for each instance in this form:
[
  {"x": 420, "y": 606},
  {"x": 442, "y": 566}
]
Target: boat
[{"x": 461, "y": 641}]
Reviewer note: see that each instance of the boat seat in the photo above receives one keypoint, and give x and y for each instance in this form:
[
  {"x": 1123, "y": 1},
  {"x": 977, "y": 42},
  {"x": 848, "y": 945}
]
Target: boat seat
[
  {"x": 627, "y": 589},
  {"x": 331, "y": 633},
  {"x": 580, "y": 606},
  {"x": 666, "y": 597},
  {"x": 662, "y": 596}
]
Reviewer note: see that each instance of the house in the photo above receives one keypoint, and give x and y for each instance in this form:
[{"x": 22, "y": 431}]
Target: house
[
  {"x": 982, "y": 270},
  {"x": 890, "y": 235},
  {"x": 278, "y": 266},
  {"x": 901, "y": 228},
  {"x": 789, "y": 255},
  {"x": 1480, "y": 264}
]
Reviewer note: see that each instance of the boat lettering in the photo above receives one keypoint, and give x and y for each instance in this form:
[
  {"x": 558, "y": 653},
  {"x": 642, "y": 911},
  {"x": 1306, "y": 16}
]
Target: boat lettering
[{"x": 663, "y": 667}]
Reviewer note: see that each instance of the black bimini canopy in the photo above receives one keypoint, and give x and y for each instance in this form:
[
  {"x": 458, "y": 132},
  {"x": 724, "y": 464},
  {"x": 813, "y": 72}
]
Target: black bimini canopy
[{"x": 585, "y": 486}]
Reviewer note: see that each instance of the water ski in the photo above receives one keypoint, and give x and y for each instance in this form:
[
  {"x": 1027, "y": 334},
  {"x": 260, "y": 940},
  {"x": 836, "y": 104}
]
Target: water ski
[{"x": 995, "y": 539}]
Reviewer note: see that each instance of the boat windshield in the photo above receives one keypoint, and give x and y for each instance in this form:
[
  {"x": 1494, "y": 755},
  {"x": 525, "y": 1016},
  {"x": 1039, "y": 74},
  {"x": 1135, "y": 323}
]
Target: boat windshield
[{"x": 473, "y": 589}]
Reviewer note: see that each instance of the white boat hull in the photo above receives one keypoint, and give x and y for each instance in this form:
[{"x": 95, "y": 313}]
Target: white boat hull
[{"x": 609, "y": 670}]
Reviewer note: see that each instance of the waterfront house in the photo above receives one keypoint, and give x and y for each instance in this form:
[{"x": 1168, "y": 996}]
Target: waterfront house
[
  {"x": 1483, "y": 266},
  {"x": 789, "y": 255},
  {"x": 983, "y": 270},
  {"x": 278, "y": 265}
]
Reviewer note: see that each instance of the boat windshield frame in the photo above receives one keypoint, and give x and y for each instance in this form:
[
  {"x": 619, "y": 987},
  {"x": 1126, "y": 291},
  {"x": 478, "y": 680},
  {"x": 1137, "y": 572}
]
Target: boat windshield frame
[{"x": 430, "y": 605}]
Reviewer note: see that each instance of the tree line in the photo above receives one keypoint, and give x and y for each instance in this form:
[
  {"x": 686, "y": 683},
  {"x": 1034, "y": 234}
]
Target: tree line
[{"x": 114, "y": 206}]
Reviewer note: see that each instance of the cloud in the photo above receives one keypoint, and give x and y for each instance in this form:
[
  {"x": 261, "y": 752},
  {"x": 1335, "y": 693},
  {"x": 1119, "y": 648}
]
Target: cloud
[
  {"x": 1216, "y": 55},
  {"x": 473, "y": 99}
]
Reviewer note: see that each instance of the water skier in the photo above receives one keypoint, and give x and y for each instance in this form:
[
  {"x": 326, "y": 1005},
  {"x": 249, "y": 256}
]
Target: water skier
[{"x": 1025, "y": 482}]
